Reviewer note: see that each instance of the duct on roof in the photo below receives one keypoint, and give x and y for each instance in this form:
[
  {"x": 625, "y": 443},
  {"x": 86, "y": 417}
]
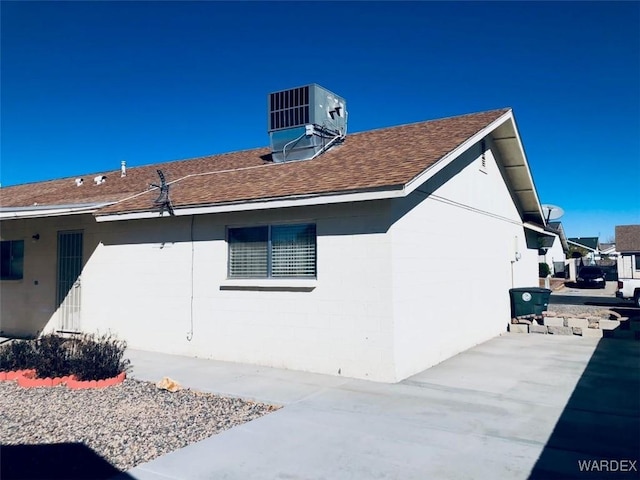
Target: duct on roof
[{"x": 304, "y": 121}]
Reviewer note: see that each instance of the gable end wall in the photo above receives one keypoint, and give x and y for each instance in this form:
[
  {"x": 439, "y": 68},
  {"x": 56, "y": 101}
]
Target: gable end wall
[{"x": 453, "y": 263}]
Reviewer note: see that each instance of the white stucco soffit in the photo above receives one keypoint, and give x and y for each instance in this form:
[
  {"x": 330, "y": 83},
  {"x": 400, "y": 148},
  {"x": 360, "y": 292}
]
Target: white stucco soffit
[{"x": 517, "y": 171}]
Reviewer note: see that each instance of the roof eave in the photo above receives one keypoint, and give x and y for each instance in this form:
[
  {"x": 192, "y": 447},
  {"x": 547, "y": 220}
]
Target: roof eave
[
  {"x": 453, "y": 154},
  {"x": 528, "y": 203},
  {"x": 262, "y": 204},
  {"x": 527, "y": 197},
  {"x": 517, "y": 171},
  {"x": 43, "y": 211},
  {"x": 576, "y": 244}
]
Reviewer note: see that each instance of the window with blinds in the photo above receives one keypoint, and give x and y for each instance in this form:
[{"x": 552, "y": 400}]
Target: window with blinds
[{"x": 278, "y": 251}]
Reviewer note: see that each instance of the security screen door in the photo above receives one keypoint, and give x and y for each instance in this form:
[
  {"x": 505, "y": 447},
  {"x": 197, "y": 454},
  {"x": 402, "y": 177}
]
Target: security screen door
[{"x": 69, "y": 288}]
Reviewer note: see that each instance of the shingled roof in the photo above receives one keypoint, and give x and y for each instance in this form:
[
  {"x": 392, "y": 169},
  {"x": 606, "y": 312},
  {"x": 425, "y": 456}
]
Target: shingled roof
[
  {"x": 590, "y": 243},
  {"x": 384, "y": 159},
  {"x": 628, "y": 238}
]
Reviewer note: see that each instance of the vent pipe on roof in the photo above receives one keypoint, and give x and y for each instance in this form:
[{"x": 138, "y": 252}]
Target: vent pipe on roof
[
  {"x": 100, "y": 179},
  {"x": 79, "y": 181},
  {"x": 123, "y": 168}
]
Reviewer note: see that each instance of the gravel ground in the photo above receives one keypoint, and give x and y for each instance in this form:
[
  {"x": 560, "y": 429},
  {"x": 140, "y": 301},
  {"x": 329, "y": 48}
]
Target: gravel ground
[
  {"x": 127, "y": 424},
  {"x": 579, "y": 310}
]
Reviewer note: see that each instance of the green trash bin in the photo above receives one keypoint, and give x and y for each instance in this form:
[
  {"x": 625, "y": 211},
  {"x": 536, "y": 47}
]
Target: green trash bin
[{"x": 529, "y": 301}]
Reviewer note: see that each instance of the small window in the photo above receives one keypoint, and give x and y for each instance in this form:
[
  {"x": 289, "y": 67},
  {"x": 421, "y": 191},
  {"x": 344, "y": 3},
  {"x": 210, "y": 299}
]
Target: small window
[
  {"x": 274, "y": 251},
  {"x": 637, "y": 261},
  {"x": 11, "y": 259}
]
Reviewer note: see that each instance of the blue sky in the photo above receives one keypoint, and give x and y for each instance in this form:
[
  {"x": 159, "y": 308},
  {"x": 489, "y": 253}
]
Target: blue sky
[{"x": 85, "y": 85}]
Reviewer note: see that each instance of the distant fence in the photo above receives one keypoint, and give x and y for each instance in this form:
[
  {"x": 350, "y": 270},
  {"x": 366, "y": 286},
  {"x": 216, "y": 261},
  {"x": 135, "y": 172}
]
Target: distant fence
[
  {"x": 573, "y": 266},
  {"x": 611, "y": 271}
]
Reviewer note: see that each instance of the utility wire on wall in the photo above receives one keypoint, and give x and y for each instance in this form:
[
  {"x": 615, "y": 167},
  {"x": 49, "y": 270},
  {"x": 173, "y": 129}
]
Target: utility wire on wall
[
  {"x": 464, "y": 206},
  {"x": 190, "y": 332}
]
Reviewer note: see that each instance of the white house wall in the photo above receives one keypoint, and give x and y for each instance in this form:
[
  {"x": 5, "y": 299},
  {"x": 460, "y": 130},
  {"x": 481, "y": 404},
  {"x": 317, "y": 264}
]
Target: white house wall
[
  {"x": 139, "y": 281},
  {"x": 402, "y": 284},
  {"x": 28, "y": 306},
  {"x": 454, "y": 262}
]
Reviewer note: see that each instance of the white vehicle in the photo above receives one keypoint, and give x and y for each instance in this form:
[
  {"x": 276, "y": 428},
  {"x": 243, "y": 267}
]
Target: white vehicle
[
  {"x": 628, "y": 244},
  {"x": 629, "y": 277}
]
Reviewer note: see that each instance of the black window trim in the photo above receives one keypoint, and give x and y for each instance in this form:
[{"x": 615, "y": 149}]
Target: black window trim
[{"x": 14, "y": 277}]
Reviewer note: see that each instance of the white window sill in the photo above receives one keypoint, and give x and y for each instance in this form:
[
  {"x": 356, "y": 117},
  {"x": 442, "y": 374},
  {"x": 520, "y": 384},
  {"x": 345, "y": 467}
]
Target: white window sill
[{"x": 275, "y": 284}]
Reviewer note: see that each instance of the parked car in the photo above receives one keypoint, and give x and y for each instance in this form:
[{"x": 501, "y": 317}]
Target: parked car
[{"x": 591, "y": 277}]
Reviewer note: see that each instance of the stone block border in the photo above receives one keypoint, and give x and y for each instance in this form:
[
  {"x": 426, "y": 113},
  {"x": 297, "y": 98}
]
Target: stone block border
[
  {"x": 28, "y": 379},
  {"x": 553, "y": 323}
]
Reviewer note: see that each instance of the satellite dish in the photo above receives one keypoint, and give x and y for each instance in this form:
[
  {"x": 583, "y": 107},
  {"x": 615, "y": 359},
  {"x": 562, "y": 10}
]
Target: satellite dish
[{"x": 552, "y": 212}]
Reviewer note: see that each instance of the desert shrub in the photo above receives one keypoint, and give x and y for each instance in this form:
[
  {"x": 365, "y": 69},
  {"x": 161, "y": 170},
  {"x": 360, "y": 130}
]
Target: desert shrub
[
  {"x": 543, "y": 270},
  {"x": 97, "y": 357},
  {"x": 17, "y": 355},
  {"x": 88, "y": 357},
  {"x": 53, "y": 356}
]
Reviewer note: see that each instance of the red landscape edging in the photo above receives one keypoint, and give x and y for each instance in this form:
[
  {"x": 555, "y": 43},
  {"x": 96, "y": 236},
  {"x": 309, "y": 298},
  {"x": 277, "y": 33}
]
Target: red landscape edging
[{"x": 28, "y": 379}]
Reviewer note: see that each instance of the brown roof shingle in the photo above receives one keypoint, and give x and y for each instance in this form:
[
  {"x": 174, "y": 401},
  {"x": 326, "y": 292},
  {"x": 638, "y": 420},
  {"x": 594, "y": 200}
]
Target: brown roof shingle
[
  {"x": 384, "y": 158},
  {"x": 628, "y": 238}
]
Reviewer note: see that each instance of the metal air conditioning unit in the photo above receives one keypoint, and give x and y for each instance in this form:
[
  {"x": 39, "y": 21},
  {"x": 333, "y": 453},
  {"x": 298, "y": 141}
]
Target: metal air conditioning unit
[{"x": 304, "y": 122}]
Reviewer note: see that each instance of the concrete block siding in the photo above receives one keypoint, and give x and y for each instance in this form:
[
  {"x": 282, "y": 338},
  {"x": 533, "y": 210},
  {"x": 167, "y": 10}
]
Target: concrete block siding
[{"x": 394, "y": 293}]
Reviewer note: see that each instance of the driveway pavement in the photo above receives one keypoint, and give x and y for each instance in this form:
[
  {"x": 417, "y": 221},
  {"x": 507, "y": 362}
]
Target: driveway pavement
[
  {"x": 516, "y": 407},
  {"x": 570, "y": 289},
  {"x": 605, "y": 297}
]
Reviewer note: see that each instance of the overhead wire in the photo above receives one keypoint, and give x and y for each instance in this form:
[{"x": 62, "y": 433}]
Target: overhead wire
[{"x": 464, "y": 206}]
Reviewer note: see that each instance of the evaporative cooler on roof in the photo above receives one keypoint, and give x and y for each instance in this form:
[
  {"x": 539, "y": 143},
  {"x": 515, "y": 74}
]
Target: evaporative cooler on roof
[{"x": 305, "y": 121}]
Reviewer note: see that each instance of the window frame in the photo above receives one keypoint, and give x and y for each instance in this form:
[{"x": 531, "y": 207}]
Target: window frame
[
  {"x": 270, "y": 277},
  {"x": 12, "y": 276}
]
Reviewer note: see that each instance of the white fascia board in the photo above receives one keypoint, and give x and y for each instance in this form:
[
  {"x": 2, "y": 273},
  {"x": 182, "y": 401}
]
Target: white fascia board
[
  {"x": 456, "y": 152},
  {"x": 464, "y": 146},
  {"x": 41, "y": 211},
  {"x": 576, "y": 244},
  {"x": 261, "y": 205},
  {"x": 526, "y": 163},
  {"x": 538, "y": 229}
]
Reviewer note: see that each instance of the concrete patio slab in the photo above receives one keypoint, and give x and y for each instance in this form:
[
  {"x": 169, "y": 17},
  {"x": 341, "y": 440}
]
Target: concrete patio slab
[{"x": 516, "y": 407}]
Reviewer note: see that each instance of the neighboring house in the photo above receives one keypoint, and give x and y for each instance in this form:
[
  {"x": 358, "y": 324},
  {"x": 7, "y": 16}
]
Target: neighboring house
[
  {"x": 332, "y": 264},
  {"x": 607, "y": 251},
  {"x": 590, "y": 244},
  {"x": 553, "y": 249},
  {"x": 628, "y": 245}
]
